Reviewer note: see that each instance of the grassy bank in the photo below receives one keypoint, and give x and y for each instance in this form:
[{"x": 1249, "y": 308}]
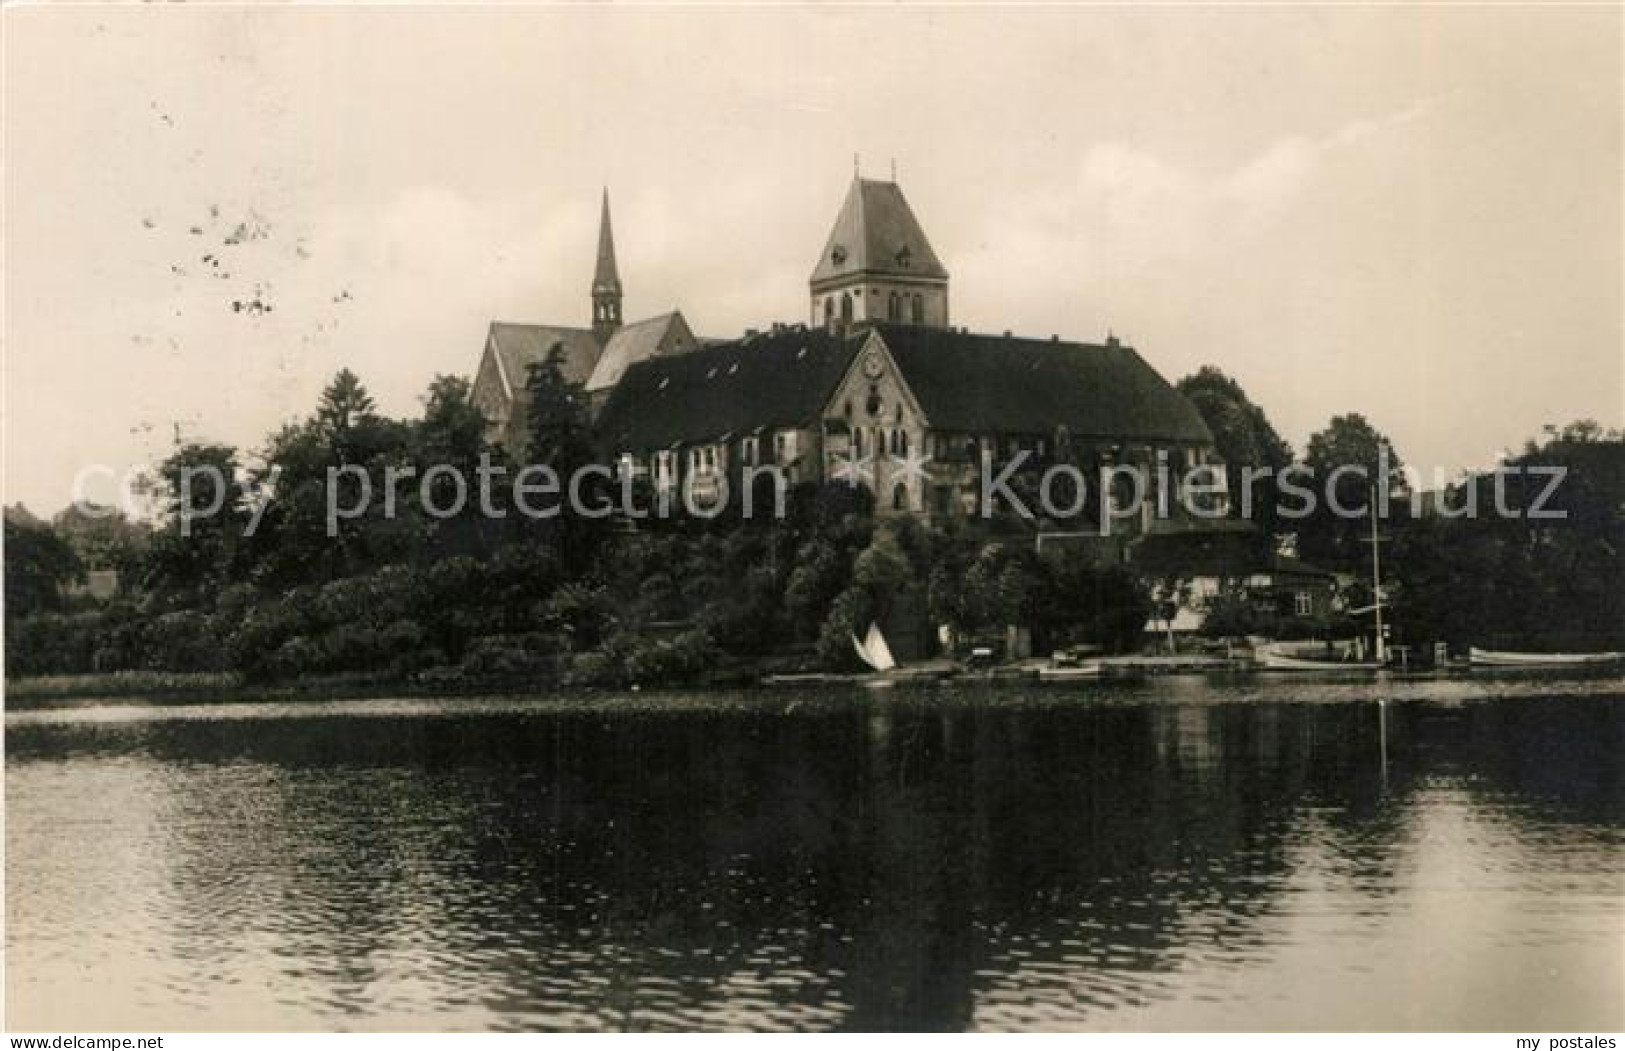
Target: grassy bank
[
  {"x": 40, "y": 691},
  {"x": 107, "y": 684}
]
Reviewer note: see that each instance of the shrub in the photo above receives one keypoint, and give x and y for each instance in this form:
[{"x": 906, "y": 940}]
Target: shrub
[
  {"x": 512, "y": 656},
  {"x": 849, "y": 615},
  {"x": 680, "y": 660}
]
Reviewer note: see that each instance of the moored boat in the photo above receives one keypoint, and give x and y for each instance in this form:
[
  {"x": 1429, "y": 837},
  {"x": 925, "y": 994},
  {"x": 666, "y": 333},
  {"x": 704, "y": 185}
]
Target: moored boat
[
  {"x": 1478, "y": 658},
  {"x": 1081, "y": 672},
  {"x": 1271, "y": 658}
]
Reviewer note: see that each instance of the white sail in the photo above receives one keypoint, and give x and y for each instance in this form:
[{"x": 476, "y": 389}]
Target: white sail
[{"x": 874, "y": 644}]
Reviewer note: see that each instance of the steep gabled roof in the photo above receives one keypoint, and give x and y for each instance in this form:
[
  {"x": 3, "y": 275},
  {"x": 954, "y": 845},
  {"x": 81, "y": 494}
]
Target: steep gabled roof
[
  {"x": 780, "y": 379},
  {"x": 517, "y": 346},
  {"x": 981, "y": 384},
  {"x": 637, "y": 342},
  {"x": 876, "y": 233}
]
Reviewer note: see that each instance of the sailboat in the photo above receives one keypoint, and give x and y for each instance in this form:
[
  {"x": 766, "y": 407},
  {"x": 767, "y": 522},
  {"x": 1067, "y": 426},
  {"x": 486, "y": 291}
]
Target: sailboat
[
  {"x": 1276, "y": 657},
  {"x": 873, "y": 651}
]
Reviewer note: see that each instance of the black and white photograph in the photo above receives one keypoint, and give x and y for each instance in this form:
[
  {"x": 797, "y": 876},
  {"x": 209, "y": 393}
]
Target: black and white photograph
[{"x": 912, "y": 518}]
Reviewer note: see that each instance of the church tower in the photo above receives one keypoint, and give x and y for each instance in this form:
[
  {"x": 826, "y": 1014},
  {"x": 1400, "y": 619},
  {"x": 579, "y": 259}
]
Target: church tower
[
  {"x": 877, "y": 264},
  {"x": 606, "y": 282}
]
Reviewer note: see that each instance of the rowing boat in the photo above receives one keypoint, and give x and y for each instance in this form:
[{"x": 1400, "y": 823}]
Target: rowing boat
[{"x": 1507, "y": 659}]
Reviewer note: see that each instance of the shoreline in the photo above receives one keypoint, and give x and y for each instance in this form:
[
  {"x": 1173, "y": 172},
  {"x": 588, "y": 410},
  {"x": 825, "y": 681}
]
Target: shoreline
[{"x": 46, "y": 692}]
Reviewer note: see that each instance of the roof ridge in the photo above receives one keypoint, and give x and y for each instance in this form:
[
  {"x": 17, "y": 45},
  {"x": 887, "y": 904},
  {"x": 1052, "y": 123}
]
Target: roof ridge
[{"x": 539, "y": 324}]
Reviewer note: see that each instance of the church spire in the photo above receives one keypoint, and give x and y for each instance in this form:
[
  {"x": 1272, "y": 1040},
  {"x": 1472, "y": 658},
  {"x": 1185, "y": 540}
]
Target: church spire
[{"x": 606, "y": 280}]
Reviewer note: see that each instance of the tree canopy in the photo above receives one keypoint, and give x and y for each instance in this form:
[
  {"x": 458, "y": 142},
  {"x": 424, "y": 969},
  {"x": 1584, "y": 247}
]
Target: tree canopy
[{"x": 1244, "y": 439}]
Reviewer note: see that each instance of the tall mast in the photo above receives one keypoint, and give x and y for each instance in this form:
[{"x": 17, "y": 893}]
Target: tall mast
[{"x": 1376, "y": 580}]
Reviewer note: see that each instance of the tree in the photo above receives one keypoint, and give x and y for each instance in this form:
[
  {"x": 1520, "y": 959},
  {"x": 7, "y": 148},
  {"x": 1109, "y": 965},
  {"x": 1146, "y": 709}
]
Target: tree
[
  {"x": 1344, "y": 464},
  {"x": 1514, "y": 581},
  {"x": 102, "y": 537},
  {"x": 38, "y": 564},
  {"x": 345, "y": 443},
  {"x": 453, "y": 429},
  {"x": 452, "y": 435},
  {"x": 556, "y": 428},
  {"x": 559, "y": 437},
  {"x": 203, "y": 511},
  {"x": 344, "y": 405},
  {"x": 1244, "y": 439},
  {"x": 818, "y": 575}
]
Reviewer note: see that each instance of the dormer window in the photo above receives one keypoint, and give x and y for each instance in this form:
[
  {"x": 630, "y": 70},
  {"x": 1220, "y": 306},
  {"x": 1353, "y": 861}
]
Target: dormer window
[
  {"x": 903, "y": 257},
  {"x": 837, "y": 255}
]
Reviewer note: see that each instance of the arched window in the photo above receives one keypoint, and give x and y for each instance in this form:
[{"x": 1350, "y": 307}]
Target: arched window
[
  {"x": 919, "y": 309},
  {"x": 857, "y": 441},
  {"x": 902, "y": 442},
  {"x": 899, "y": 497},
  {"x": 829, "y": 310},
  {"x": 846, "y": 307},
  {"x": 894, "y": 310}
]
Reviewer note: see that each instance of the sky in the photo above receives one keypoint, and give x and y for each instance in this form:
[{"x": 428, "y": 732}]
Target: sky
[{"x": 1412, "y": 213}]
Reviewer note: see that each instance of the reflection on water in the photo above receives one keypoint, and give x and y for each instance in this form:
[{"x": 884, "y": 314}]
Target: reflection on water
[{"x": 1176, "y": 855}]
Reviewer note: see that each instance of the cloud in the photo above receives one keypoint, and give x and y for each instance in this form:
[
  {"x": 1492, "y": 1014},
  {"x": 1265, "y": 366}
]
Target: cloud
[{"x": 1144, "y": 210}]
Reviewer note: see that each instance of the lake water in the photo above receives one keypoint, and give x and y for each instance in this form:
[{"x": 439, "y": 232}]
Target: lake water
[{"x": 1174, "y": 854}]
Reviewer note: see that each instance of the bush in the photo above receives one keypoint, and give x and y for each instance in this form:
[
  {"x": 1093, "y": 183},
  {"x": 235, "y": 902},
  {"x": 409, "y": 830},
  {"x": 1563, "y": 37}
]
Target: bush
[
  {"x": 849, "y": 616},
  {"x": 513, "y": 656},
  {"x": 681, "y": 660},
  {"x": 185, "y": 640}
]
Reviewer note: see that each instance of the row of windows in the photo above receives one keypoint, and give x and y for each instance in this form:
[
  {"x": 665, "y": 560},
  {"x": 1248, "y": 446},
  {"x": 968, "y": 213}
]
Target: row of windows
[
  {"x": 704, "y": 459},
  {"x": 897, "y": 303},
  {"x": 915, "y": 304},
  {"x": 867, "y": 440}
]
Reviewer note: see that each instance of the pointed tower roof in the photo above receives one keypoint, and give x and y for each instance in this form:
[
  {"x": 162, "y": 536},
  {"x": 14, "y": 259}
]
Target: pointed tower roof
[
  {"x": 606, "y": 278},
  {"x": 876, "y": 233}
]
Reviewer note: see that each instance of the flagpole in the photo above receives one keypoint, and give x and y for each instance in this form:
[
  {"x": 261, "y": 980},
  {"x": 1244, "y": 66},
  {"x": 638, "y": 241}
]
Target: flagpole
[{"x": 1376, "y": 581}]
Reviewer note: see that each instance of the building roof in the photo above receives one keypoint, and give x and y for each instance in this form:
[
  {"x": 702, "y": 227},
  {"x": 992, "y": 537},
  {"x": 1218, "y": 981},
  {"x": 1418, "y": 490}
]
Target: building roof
[
  {"x": 606, "y": 277},
  {"x": 518, "y": 346},
  {"x": 636, "y": 342},
  {"x": 1222, "y": 547},
  {"x": 1287, "y": 566},
  {"x": 982, "y": 384},
  {"x": 964, "y": 382},
  {"x": 782, "y": 378},
  {"x": 876, "y": 233}
]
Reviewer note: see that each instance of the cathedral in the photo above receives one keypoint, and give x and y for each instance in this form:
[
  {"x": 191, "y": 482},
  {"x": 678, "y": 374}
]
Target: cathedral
[{"x": 877, "y": 388}]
